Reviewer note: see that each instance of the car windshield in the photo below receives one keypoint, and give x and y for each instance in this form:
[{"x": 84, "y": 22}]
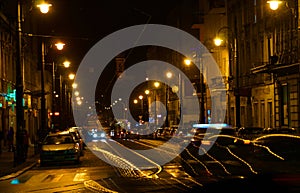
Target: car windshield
[{"x": 58, "y": 139}]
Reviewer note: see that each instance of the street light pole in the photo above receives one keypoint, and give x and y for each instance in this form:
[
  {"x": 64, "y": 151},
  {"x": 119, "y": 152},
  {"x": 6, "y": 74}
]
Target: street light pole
[
  {"x": 202, "y": 109},
  {"x": 142, "y": 106},
  {"x": 237, "y": 85},
  {"x": 43, "y": 98},
  {"x": 19, "y": 89},
  {"x": 234, "y": 61}
]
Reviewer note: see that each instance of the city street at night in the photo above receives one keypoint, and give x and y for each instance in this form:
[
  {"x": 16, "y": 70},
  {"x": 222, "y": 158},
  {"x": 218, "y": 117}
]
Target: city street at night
[{"x": 125, "y": 96}]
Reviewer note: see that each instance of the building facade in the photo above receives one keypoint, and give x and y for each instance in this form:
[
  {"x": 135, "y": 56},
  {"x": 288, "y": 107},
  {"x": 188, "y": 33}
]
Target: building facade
[
  {"x": 267, "y": 72},
  {"x": 30, "y": 57}
]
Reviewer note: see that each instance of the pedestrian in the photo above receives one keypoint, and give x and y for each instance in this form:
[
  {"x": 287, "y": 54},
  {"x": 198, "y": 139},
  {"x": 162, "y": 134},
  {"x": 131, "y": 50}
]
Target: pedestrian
[{"x": 10, "y": 139}]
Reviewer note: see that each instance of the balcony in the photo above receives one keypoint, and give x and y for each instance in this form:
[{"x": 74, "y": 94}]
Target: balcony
[{"x": 277, "y": 68}]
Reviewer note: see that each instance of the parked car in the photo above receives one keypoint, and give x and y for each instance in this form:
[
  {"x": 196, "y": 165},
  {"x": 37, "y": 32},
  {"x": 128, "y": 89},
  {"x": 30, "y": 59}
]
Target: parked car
[
  {"x": 286, "y": 146},
  {"x": 250, "y": 132},
  {"x": 74, "y": 131},
  {"x": 158, "y": 134},
  {"x": 59, "y": 147},
  {"x": 207, "y": 134},
  {"x": 280, "y": 130}
]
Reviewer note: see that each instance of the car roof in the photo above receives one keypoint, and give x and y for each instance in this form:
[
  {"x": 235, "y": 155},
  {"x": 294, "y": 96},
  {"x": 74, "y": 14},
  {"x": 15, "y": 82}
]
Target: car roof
[
  {"x": 74, "y": 129},
  {"x": 60, "y": 133}
]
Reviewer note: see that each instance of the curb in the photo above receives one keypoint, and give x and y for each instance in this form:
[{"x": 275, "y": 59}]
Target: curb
[{"x": 14, "y": 175}]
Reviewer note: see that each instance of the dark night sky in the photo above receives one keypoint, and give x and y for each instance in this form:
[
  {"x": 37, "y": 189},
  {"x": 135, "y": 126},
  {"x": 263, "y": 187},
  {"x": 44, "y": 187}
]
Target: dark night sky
[
  {"x": 95, "y": 19},
  {"x": 82, "y": 23}
]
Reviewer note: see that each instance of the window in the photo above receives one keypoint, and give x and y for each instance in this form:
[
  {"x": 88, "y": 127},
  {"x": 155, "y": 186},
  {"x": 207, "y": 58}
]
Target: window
[
  {"x": 262, "y": 113},
  {"x": 270, "y": 115},
  {"x": 255, "y": 109},
  {"x": 284, "y": 105}
]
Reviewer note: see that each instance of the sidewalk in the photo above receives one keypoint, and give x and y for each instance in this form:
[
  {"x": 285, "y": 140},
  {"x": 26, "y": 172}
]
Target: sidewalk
[{"x": 7, "y": 169}]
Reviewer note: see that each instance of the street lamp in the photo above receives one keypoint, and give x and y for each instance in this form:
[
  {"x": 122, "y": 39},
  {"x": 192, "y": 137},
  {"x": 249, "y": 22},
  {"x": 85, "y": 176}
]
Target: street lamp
[
  {"x": 156, "y": 85},
  {"x": 142, "y": 109},
  {"x": 187, "y": 62},
  {"x": 233, "y": 59},
  {"x": 66, "y": 64},
  {"x": 19, "y": 154},
  {"x": 168, "y": 75},
  {"x": 274, "y": 4},
  {"x": 71, "y": 76},
  {"x": 44, "y": 7},
  {"x": 59, "y": 45},
  {"x": 55, "y": 94},
  {"x": 218, "y": 41}
]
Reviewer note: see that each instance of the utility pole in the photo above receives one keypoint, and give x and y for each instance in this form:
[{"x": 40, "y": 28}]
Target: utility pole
[
  {"x": 237, "y": 85},
  {"x": 43, "y": 98},
  {"x": 18, "y": 156},
  {"x": 202, "y": 88}
]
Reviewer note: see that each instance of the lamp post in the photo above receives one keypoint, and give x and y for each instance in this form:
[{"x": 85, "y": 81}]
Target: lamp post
[
  {"x": 19, "y": 156},
  {"x": 233, "y": 61},
  {"x": 66, "y": 101},
  {"x": 44, "y": 8},
  {"x": 142, "y": 105},
  {"x": 188, "y": 62},
  {"x": 19, "y": 88},
  {"x": 55, "y": 94},
  {"x": 43, "y": 98},
  {"x": 156, "y": 85},
  {"x": 168, "y": 75}
]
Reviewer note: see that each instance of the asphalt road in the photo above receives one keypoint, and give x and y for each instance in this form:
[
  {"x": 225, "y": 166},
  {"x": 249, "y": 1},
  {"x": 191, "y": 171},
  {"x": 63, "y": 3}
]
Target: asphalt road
[{"x": 109, "y": 167}]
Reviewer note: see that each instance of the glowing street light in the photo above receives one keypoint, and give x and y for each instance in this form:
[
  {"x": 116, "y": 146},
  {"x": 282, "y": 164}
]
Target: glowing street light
[
  {"x": 44, "y": 7},
  {"x": 74, "y": 85},
  {"x": 156, "y": 84},
  {"x": 76, "y": 93},
  {"x": 274, "y": 4},
  {"x": 60, "y": 45},
  {"x": 71, "y": 76},
  {"x": 187, "y": 62},
  {"x": 218, "y": 41},
  {"x": 169, "y": 74},
  {"x": 147, "y": 92},
  {"x": 66, "y": 64}
]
